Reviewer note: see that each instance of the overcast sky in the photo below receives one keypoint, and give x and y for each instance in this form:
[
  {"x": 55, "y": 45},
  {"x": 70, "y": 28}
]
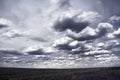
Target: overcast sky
[{"x": 53, "y": 33}]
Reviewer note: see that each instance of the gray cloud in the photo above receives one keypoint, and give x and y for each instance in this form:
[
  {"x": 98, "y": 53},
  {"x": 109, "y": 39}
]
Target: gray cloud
[
  {"x": 13, "y": 52},
  {"x": 61, "y": 4},
  {"x": 75, "y": 20},
  {"x": 36, "y": 52},
  {"x": 70, "y": 24},
  {"x": 3, "y": 26},
  {"x": 90, "y": 33}
]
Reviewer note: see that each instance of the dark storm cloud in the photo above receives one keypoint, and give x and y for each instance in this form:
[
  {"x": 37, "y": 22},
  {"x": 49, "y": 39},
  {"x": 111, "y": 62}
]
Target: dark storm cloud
[
  {"x": 37, "y": 52},
  {"x": 3, "y": 26},
  {"x": 70, "y": 24},
  {"x": 63, "y": 47},
  {"x": 13, "y": 52}
]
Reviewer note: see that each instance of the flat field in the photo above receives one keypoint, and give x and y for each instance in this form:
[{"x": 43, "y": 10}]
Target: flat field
[{"x": 111, "y": 73}]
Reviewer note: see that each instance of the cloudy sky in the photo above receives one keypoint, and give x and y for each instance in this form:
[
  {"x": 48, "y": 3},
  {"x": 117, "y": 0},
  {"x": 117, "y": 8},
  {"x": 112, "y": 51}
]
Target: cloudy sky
[{"x": 59, "y": 33}]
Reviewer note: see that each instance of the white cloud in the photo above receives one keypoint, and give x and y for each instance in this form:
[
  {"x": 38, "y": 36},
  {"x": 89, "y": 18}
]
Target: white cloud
[
  {"x": 90, "y": 33},
  {"x": 6, "y": 22},
  {"x": 100, "y": 44},
  {"x": 114, "y": 35},
  {"x": 98, "y": 52},
  {"x": 89, "y": 16},
  {"x": 107, "y": 26},
  {"x": 62, "y": 41},
  {"x": 114, "y": 18},
  {"x": 38, "y": 50},
  {"x": 74, "y": 43},
  {"x": 12, "y": 34},
  {"x": 117, "y": 33}
]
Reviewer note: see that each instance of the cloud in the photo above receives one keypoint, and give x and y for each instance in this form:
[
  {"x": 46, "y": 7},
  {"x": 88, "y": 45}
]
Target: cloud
[
  {"x": 81, "y": 49},
  {"x": 75, "y": 21},
  {"x": 5, "y": 23},
  {"x": 63, "y": 4},
  {"x": 70, "y": 24},
  {"x": 90, "y": 33},
  {"x": 89, "y": 16},
  {"x": 81, "y": 35},
  {"x": 12, "y": 34},
  {"x": 114, "y": 18},
  {"x": 72, "y": 46},
  {"x": 13, "y": 52},
  {"x": 117, "y": 33},
  {"x": 98, "y": 52},
  {"x": 114, "y": 35},
  {"x": 63, "y": 43},
  {"x": 38, "y": 50}
]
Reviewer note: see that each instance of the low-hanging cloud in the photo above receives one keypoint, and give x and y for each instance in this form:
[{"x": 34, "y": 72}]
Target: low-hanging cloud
[
  {"x": 70, "y": 24},
  {"x": 13, "y": 52},
  {"x": 90, "y": 33}
]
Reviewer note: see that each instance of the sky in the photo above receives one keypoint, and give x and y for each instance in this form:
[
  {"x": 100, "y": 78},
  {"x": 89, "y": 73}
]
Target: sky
[{"x": 59, "y": 33}]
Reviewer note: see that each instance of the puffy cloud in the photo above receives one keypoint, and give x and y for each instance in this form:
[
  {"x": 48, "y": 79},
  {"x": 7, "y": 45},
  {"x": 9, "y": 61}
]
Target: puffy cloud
[
  {"x": 12, "y": 34},
  {"x": 72, "y": 46},
  {"x": 86, "y": 34},
  {"x": 100, "y": 45},
  {"x": 114, "y": 35},
  {"x": 89, "y": 17},
  {"x": 117, "y": 33},
  {"x": 70, "y": 24},
  {"x": 90, "y": 33},
  {"x": 63, "y": 43},
  {"x": 80, "y": 50},
  {"x": 105, "y": 26},
  {"x": 115, "y": 18},
  {"x": 5, "y": 23},
  {"x": 98, "y": 52},
  {"x": 75, "y": 20},
  {"x": 38, "y": 50}
]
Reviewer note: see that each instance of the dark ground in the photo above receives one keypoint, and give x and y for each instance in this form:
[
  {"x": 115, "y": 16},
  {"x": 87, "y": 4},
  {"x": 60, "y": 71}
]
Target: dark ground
[{"x": 111, "y": 73}]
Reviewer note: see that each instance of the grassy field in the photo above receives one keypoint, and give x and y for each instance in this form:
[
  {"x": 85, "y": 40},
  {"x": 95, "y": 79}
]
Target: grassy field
[{"x": 112, "y": 73}]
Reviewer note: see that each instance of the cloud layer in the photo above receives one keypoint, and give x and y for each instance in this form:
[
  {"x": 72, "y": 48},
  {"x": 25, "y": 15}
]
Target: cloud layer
[{"x": 56, "y": 32}]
